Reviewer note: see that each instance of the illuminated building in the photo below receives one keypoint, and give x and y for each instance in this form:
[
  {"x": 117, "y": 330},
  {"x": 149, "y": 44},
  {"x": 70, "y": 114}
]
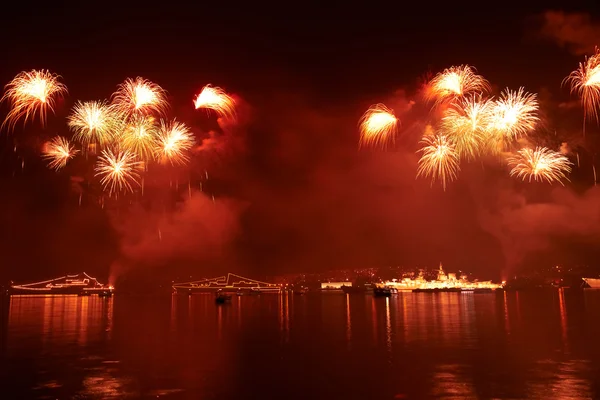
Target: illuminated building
[
  {"x": 334, "y": 286},
  {"x": 443, "y": 282}
]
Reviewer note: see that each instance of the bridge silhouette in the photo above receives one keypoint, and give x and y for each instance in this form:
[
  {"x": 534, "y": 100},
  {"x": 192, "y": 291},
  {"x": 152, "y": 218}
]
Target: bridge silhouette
[{"x": 229, "y": 283}]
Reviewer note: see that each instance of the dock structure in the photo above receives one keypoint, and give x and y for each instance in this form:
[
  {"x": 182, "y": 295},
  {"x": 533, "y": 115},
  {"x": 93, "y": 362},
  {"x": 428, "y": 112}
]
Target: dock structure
[{"x": 229, "y": 283}]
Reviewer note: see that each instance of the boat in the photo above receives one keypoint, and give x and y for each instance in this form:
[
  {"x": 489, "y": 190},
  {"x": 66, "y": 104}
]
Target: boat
[
  {"x": 301, "y": 291},
  {"x": 382, "y": 292},
  {"x": 593, "y": 283},
  {"x": 222, "y": 298},
  {"x": 437, "y": 290},
  {"x": 357, "y": 289},
  {"x": 78, "y": 284}
]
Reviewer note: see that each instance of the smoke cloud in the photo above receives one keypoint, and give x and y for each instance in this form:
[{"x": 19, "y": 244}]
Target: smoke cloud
[{"x": 576, "y": 32}]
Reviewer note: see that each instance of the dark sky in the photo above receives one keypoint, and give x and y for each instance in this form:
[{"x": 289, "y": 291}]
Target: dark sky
[{"x": 291, "y": 191}]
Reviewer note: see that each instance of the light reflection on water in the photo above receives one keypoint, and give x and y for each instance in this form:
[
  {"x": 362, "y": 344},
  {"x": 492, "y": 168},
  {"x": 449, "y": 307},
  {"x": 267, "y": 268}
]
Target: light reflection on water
[{"x": 412, "y": 345}]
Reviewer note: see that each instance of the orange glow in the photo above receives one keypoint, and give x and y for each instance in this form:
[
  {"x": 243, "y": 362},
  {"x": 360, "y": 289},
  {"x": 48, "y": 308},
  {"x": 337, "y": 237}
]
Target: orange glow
[{"x": 30, "y": 93}]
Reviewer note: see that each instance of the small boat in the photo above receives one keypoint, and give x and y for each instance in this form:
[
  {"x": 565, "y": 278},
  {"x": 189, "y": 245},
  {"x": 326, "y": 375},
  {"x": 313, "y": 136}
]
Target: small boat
[
  {"x": 221, "y": 298},
  {"x": 593, "y": 283},
  {"x": 382, "y": 292},
  {"x": 105, "y": 294},
  {"x": 81, "y": 294},
  {"x": 301, "y": 291}
]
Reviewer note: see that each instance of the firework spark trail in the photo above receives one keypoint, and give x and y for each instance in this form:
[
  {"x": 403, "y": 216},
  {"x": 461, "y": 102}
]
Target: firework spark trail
[
  {"x": 118, "y": 170},
  {"x": 140, "y": 137},
  {"x": 94, "y": 122},
  {"x": 514, "y": 115},
  {"x": 30, "y": 93},
  {"x": 216, "y": 99},
  {"x": 140, "y": 96},
  {"x": 58, "y": 152},
  {"x": 541, "y": 164},
  {"x": 456, "y": 82},
  {"x": 466, "y": 123},
  {"x": 174, "y": 141},
  {"x": 439, "y": 160},
  {"x": 378, "y": 127},
  {"x": 585, "y": 81}
]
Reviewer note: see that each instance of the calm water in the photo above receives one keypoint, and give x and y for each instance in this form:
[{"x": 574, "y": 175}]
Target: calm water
[{"x": 449, "y": 345}]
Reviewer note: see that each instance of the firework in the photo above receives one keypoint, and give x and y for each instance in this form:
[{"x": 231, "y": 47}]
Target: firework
[
  {"x": 216, "y": 99},
  {"x": 439, "y": 160},
  {"x": 466, "y": 124},
  {"x": 93, "y": 122},
  {"x": 139, "y": 137},
  {"x": 58, "y": 152},
  {"x": 378, "y": 126},
  {"x": 513, "y": 115},
  {"x": 173, "y": 142},
  {"x": 456, "y": 82},
  {"x": 541, "y": 164},
  {"x": 31, "y": 93},
  {"x": 585, "y": 81},
  {"x": 139, "y": 96},
  {"x": 118, "y": 170}
]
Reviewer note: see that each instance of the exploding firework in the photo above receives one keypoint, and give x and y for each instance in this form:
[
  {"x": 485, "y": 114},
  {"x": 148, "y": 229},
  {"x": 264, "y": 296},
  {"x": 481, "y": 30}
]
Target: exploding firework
[
  {"x": 378, "y": 126},
  {"x": 139, "y": 96},
  {"x": 456, "y": 82},
  {"x": 216, "y": 99},
  {"x": 118, "y": 171},
  {"x": 139, "y": 137},
  {"x": 439, "y": 160},
  {"x": 513, "y": 115},
  {"x": 94, "y": 122},
  {"x": 541, "y": 164},
  {"x": 466, "y": 124},
  {"x": 174, "y": 141},
  {"x": 58, "y": 152},
  {"x": 31, "y": 93},
  {"x": 585, "y": 81}
]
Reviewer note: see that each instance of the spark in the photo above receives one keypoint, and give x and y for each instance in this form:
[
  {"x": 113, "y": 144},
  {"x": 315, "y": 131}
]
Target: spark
[
  {"x": 216, "y": 99},
  {"x": 541, "y": 164},
  {"x": 439, "y": 160},
  {"x": 585, "y": 81},
  {"x": 140, "y": 96},
  {"x": 174, "y": 140},
  {"x": 456, "y": 82},
  {"x": 378, "y": 126},
  {"x": 466, "y": 123},
  {"x": 93, "y": 122},
  {"x": 30, "y": 93},
  {"x": 58, "y": 152},
  {"x": 118, "y": 170},
  {"x": 514, "y": 114},
  {"x": 139, "y": 137}
]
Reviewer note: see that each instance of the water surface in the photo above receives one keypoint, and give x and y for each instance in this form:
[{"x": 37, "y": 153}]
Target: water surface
[{"x": 334, "y": 346}]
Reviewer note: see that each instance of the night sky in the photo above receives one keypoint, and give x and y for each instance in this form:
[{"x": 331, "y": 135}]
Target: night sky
[{"x": 292, "y": 193}]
